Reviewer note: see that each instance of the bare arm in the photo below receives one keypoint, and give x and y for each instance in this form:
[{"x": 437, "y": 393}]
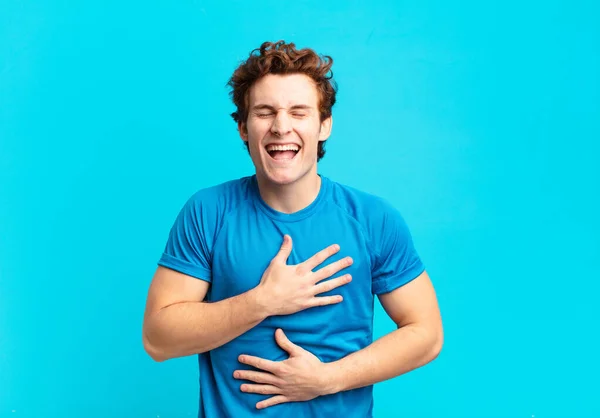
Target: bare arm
[
  {"x": 417, "y": 341},
  {"x": 177, "y": 321}
]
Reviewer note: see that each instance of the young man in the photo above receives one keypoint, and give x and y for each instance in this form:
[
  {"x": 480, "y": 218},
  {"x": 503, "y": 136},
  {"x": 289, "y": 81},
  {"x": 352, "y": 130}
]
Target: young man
[{"x": 271, "y": 278}]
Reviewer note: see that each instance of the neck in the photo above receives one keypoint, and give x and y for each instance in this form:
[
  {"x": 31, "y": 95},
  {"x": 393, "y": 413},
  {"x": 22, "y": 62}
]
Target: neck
[{"x": 293, "y": 197}]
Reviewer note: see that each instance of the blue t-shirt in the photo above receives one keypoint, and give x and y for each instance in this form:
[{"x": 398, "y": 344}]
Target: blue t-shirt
[{"x": 227, "y": 235}]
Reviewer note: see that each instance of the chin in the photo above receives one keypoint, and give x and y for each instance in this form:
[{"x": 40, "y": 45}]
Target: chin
[{"x": 283, "y": 179}]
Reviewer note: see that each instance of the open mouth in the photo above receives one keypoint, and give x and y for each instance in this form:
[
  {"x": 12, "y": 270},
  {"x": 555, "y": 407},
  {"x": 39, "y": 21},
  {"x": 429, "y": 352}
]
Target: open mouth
[{"x": 283, "y": 152}]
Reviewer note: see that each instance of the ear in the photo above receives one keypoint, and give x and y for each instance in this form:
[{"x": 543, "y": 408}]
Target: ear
[
  {"x": 243, "y": 131},
  {"x": 326, "y": 128}
]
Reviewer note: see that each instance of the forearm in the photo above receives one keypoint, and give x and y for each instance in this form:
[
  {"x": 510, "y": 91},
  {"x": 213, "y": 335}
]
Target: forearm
[
  {"x": 396, "y": 353},
  {"x": 188, "y": 328}
]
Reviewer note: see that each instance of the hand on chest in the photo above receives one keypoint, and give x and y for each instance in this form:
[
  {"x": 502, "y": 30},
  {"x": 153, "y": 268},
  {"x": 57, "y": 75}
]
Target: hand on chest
[{"x": 239, "y": 261}]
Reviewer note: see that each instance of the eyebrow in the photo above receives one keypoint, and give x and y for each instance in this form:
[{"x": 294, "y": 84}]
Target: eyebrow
[{"x": 269, "y": 107}]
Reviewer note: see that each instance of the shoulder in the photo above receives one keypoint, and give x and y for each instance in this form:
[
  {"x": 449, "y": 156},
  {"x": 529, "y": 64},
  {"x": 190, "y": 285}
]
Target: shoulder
[
  {"x": 207, "y": 208},
  {"x": 361, "y": 205},
  {"x": 222, "y": 197},
  {"x": 377, "y": 216}
]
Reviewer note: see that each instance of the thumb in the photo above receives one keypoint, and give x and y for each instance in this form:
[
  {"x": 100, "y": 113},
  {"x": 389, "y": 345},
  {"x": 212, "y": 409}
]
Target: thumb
[
  {"x": 285, "y": 249},
  {"x": 285, "y": 343}
]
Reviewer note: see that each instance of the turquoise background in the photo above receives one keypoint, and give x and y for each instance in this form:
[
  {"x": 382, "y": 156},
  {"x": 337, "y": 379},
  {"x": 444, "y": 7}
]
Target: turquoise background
[{"x": 478, "y": 120}]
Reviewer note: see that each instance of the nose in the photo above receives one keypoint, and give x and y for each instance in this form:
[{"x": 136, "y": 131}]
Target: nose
[{"x": 281, "y": 124}]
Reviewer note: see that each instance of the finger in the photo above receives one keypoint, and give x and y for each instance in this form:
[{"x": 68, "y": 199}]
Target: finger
[
  {"x": 259, "y": 363},
  {"x": 332, "y": 284},
  {"x": 284, "y": 250},
  {"x": 256, "y": 377},
  {"x": 318, "y": 258},
  {"x": 326, "y": 300},
  {"x": 262, "y": 389},
  {"x": 285, "y": 343},
  {"x": 275, "y": 400},
  {"x": 333, "y": 268}
]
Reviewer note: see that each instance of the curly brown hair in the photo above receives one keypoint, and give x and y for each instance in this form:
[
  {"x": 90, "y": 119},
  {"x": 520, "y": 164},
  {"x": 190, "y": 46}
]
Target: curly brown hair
[{"x": 283, "y": 58}]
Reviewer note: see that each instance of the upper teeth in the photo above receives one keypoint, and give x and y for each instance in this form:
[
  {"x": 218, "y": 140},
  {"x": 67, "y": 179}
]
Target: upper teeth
[{"x": 283, "y": 148}]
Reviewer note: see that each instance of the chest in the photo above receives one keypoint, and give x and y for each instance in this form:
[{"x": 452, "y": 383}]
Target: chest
[{"x": 247, "y": 244}]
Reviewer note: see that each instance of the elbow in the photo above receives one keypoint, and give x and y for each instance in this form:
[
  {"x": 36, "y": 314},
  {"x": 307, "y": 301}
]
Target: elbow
[
  {"x": 155, "y": 352},
  {"x": 437, "y": 347},
  {"x": 437, "y": 341},
  {"x": 432, "y": 340},
  {"x": 161, "y": 352}
]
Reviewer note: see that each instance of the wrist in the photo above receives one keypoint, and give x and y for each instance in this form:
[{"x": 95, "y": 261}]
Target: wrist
[
  {"x": 260, "y": 302},
  {"x": 330, "y": 379}
]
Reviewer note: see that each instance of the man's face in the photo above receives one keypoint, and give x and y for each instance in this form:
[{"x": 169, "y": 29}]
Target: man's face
[{"x": 283, "y": 128}]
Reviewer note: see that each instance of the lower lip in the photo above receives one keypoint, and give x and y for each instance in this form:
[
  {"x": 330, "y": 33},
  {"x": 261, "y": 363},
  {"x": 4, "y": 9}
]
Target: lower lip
[{"x": 283, "y": 162}]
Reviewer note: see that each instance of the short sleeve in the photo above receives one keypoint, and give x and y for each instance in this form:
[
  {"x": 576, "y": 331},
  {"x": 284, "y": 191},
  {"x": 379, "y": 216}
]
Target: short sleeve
[
  {"x": 187, "y": 250},
  {"x": 395, "y": 259}
]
